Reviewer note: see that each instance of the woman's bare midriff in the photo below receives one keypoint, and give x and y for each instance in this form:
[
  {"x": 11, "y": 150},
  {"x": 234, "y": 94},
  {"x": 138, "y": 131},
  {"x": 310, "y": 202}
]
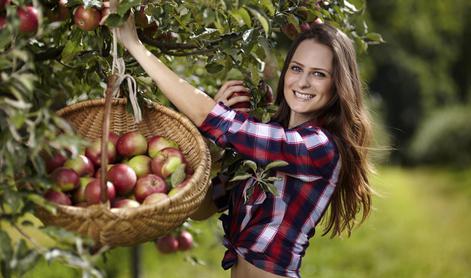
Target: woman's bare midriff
[{"x": 244, "y": 269}]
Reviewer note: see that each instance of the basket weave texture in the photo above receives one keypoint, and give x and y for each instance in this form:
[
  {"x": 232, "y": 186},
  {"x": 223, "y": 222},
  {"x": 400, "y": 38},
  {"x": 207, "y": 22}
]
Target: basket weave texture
[{"x": 131, "y": 226}]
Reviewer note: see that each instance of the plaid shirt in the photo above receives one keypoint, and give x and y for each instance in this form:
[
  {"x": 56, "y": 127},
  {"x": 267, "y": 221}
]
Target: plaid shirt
[{"x": 272, "y": 232}]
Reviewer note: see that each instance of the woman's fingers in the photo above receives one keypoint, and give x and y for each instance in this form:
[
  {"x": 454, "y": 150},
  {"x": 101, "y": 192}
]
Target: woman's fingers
[{"x": 225, "y": 86}]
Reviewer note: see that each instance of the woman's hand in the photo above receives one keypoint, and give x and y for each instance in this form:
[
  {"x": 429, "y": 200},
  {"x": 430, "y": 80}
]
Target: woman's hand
[
  {"x": 127, "y": 34},
  {"x": 235, "y": 95}
]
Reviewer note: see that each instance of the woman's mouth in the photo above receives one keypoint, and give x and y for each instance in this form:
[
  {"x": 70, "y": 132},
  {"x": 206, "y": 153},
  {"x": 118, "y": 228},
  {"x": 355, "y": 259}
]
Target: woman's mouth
[{"x": 303, "y": 96}]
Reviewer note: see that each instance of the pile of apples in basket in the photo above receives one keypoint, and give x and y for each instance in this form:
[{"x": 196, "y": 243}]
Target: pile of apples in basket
[{"x": 140, "y": 171}]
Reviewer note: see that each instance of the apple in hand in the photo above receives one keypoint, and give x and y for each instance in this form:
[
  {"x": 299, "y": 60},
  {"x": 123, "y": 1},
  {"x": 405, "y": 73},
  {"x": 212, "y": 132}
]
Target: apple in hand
[
  {"x": 158, "y": 143},
  {"x": 123, "y": 178},
  {"x": 66, "y": 179},
  {"x": 93, "y": 152},
  {"x": 131, "y": 144},
  {"x": 154, "y": 198},
  {"x": 244, "y": 104},
  {"x": 87, "y": 19},
  {"x": 81, "y": 164},
  {"x": 167, "y": 161},
  {"x": 57, "y": 197},
  {"x": 185, "y": 241},
  {"x": 93, "y": 191},
  {"x": 140, "y": 164},
  {"x": 167, "y": 244},
  {"x": 148, "y": 185}
]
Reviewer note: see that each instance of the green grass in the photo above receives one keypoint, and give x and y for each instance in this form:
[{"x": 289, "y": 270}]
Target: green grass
[{"x": 420, "y": 228}]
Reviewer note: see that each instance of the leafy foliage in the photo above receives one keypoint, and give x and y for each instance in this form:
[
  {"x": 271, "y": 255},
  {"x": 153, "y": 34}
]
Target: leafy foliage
[{"x": 206, "y": 42}]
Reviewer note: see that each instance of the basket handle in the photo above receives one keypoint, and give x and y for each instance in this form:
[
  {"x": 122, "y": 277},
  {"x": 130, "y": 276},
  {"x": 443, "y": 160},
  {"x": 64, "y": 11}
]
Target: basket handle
[{"x": 104, "y": 137}]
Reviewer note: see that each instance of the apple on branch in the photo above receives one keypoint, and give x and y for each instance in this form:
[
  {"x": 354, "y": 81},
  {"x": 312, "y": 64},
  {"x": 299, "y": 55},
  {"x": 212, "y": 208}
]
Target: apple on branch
[
  {"x": 167, "y": 244},
  {"x": 185, "y": 241},
  {"x": 87, "y": 19}
]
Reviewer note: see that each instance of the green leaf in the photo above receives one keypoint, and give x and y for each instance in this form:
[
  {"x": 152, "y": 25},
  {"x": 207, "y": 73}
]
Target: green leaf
[
  {"x": 114, "y": 20},
  {"x": 252, "y": 165},
  {"x": 272, "y": 189},
  {"x": 244, "y": 14},
  {"x": 124, "y": 6},
  {"x": 71, "y": 49},
  {"x": 375, "y": 37},
  {"x": 214, "y": 67},
  {"x": 262, "y": 19},
  {"x": 276, "y": 163},
  {"x": 269, "y": 6},
  {"x": 241, "y": 177},
  {"x": 6, "y": 250},
  {"x": 40, "y": 201}
]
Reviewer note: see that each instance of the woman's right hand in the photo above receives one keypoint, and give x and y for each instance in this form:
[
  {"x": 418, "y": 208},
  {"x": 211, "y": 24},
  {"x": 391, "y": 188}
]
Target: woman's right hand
[
  {"x": 127, "y": 33},
  {"x": 240, "y": 101}
]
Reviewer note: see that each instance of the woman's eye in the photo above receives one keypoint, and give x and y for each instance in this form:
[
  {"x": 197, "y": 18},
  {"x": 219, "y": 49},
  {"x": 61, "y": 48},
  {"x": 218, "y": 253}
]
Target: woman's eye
[
  {"x": 296, "y": 68},
  {"x": 318, "y": 74}
]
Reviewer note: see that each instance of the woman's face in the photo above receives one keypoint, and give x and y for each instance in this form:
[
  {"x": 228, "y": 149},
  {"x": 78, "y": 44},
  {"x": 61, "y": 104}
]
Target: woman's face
[{"x": 308, "y": 81}]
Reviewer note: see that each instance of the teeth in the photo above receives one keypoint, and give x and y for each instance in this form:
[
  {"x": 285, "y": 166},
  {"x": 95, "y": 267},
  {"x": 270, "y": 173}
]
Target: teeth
[{"x": 303, "y": 96}]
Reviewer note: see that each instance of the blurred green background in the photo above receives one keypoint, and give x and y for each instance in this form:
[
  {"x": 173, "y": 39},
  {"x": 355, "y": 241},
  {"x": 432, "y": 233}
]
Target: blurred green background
[{"x": 419, "y": 92}]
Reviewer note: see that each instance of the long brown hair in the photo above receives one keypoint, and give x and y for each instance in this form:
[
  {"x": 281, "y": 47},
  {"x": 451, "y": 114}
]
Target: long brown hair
[{"x": 346, "y": 118}]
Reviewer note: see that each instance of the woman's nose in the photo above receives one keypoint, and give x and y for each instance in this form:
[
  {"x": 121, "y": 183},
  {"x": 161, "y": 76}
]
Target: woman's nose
[{"x": 303, "y": 81}]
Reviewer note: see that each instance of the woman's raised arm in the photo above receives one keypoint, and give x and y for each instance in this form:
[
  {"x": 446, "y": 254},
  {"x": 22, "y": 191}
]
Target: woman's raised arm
[{"x": 194, "y": 103}]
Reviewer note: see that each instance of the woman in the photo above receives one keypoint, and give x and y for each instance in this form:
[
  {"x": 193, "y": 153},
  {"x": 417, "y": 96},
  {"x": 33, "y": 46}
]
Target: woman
[{"x": 321, "y": 129}]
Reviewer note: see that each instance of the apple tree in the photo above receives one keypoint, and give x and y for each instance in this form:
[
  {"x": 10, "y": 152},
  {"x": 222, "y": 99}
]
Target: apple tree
[{"x": 54, "y": 53}]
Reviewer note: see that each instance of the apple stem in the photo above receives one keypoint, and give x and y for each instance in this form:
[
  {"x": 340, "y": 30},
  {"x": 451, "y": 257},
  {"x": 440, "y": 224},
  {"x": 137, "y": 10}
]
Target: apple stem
[{"x": 104, "y": 137}]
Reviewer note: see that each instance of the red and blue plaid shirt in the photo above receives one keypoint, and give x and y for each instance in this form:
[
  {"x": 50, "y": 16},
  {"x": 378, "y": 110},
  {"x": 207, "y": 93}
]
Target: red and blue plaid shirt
[{"x": 272, "y": 232}]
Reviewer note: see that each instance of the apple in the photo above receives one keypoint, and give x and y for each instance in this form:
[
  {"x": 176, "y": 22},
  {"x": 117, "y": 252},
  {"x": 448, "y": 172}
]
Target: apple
[
  {"x": 28, "y": 17},
  {"x": 149, "y": 184},
  {"x": 78, "y": 196},
  {"x": 131, "y": 144},
  {"x": 244, "y": 104},
  {"x": 66, "y": 179},
  {"x": 141, "y": 19},
  {"x": 154, "y": 198},
  {"x": 98, "y": 172},
  {"x": 113, "y": 137},
  {"x": 290, "y": 31},
  {"x": 140, "y": 164},
  {"x": 93, "y": 152},
  {"x": 125, "y": 203},
  {"x": 87, "y": 19},
  {"x": 167, "y": 244},
  {"x": 167, "y": 161},
  {"x": 123, "y": 178},
  {"x": 57, "y": 197},
  {"x": 55, "y": 161},
  {"x": 158, "y": 143},
  {"x": 185, "y": 241},
  {"x": 93, "y": 190},
  {"x": 81, "y": 164}
]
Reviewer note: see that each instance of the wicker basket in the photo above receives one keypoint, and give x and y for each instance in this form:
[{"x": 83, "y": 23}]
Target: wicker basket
[{"x": 135, "y": 225}]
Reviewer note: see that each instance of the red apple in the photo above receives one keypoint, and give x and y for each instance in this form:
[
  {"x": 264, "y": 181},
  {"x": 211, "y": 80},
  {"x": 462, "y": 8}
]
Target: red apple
[
  {"x": 245, "y": 104},
  {"x": 93, "y": 190},
  {"x": 55, "y": 161},
  {"x": 185, "y": 241},
  {"x": 148, "y": 185},
  {"x": 28, "y": 17},
  {"x": 87, "y": 19},
  {"x": 125, "y": 203},
  {"x": 131, "y": 143},
  {"x": 66, "y": 179},
  {"x": 167, "y": 161},
  {"x": 93, "y": 152},
  {"x": 113, "y": 137},
  {"x": 123, "y": 178},
  {"x": 167, "y": 244},
  {"x": 154, "y": 198},
  {"x": 141, "y": 19},
  {"x": 140, "y": 164},
  {"x": 81, "y": 164},
  {"x": 78, "y": 196},
  {"x": 98, "y": 172},
  {"x": 57, "y": 197},
  {"x": 158, "y": 143}
]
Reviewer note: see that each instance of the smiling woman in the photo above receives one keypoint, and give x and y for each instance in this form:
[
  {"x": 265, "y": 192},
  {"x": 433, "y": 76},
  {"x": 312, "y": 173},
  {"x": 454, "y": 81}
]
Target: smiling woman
[{"x": 321, "y": 130}]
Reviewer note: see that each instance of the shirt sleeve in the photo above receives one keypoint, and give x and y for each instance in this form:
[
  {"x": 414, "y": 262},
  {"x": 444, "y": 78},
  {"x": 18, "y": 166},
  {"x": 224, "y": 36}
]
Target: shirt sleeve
[{"x": 304, "y": 149}]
